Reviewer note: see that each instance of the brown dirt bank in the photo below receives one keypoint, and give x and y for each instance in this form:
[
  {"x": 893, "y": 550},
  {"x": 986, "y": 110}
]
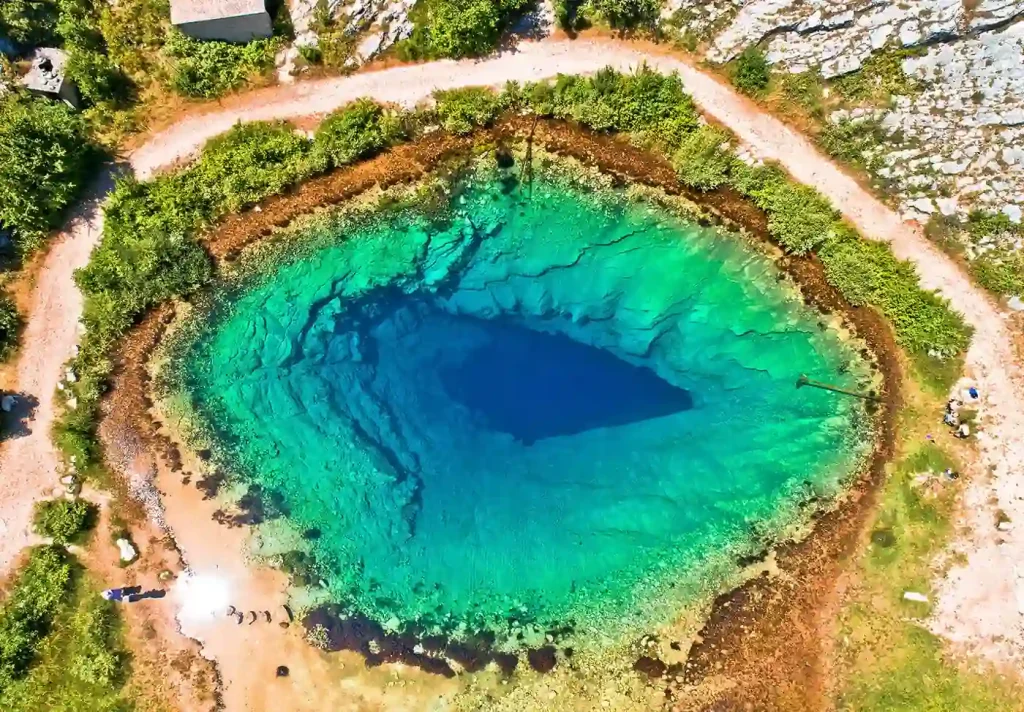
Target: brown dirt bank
[{"x": 766, "y": 645}]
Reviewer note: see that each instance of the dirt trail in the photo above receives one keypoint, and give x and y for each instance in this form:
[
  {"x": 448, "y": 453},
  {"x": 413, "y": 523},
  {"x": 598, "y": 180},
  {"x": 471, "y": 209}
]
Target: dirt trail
[{"x": 979, "y": 601}]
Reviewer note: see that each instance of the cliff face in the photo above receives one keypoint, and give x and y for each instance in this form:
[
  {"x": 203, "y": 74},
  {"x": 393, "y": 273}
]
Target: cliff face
[{"x": 544, "y": 407}]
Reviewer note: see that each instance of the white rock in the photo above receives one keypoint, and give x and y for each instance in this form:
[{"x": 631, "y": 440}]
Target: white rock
[
  {"x": 69, "y": 375},
  {"x": 1013, "y": 212},
  {"x": 1015, "y": 303},
  {"x": 128, "y": 552},
  {"x": 924, "y": 205},
  {"x": 915, "y": 596}
]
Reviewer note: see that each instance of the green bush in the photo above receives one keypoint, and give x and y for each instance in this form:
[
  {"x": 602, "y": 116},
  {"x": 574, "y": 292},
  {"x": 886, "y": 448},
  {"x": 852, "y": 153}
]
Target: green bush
[
  {"x": 751, "y": 73},
  {"x": 45, "y": 158},
  {"x": 849, "y": 140},
  {"x": 462, "y": 110},
  {"x": 458, "y": 28},
  {"x": 360, "y": 129},
  {"x": 97, "y": 658},
  {"x": 26, "y": 616},
  {"x": 1000, "y": 271},
  {"x": 206, "y": 69},
  {"x": 10, "y": 326},
  {"x": 702, "y": 160},
  {"x": 98, "y": 78},
  {"x": 31, "y": 23},
  {"x": 623, "y": 14},
  {"x": 879, "y": 78},
  {"x": 867, "y": 272},
  {"x": 64, "y": 520},
  {"x": 134, "y": 30},
  {"x": 798, "y": 216},
  {"x": 649, "y": 105}
]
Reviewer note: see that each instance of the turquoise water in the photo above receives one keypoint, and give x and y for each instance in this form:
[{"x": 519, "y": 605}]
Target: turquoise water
[{"x": 544, "y": 406}]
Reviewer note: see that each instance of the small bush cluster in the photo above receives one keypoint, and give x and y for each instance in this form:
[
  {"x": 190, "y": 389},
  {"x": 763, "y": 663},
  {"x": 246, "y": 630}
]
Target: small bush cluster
[
  {"x": 206, "y": 69},
  {"x": 46, "y": 156},
  {"x": 879, "y": 78},
  {"x": 361, "y": 129},
  {"x": 623, "y": 14},
  {"x": 458, "y": 28},
  {"x": 27, "y": 615},
  {"x": 851, "y": 141},
  {"x": 98, "y": 78},
  {"x": 10, "y": 326},
  {"x": 134, "y": 32},
  {"x": 97, "y": 658},
  {"x": 703, "y": 160},
  {"x": 651, "y": 106},
  {"x": 64, "y": 520},
  {"x": 751, "y": 73},
  {"x": 462, "y": 110}
]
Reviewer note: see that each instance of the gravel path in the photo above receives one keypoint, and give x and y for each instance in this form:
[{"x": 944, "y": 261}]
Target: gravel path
[{"x": 980, "y": 603}]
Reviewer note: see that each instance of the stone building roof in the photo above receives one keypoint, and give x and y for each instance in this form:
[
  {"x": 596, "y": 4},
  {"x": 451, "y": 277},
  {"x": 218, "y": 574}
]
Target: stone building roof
[
  {"x": 185, "y": 11},
  {"x": 47, "y": 71}
]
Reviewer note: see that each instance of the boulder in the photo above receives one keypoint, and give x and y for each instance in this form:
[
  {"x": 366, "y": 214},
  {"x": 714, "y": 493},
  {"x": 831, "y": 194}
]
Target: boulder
[
  {"x": 127, "y": 551},
  {"x": 7, "y": 403}
]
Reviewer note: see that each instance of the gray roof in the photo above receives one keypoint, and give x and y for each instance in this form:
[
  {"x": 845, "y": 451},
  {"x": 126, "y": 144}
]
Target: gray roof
[
  {"x": 184, "y": 11},
  {"x": 47, "y": 72}
]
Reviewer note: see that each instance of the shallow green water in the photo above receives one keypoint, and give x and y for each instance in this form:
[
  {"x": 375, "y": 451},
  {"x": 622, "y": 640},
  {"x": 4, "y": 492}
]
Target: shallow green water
[{"x": 545, "y": 405}]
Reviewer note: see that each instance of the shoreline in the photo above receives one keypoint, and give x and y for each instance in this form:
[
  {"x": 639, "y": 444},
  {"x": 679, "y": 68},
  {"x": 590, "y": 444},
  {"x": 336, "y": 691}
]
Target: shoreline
[{"x": 733, "y": 612}]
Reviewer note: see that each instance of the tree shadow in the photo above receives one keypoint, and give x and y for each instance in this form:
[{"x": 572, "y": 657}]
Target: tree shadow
[{"x": 15, "y": 423}]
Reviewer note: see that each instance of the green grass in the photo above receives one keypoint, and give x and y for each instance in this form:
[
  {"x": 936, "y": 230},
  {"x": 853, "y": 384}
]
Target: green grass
[
  {"x": 80, "y": 665},
  {"x": 890, "y": 662}
]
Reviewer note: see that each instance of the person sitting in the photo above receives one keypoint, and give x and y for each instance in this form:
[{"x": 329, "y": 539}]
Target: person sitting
[{"x": 963, "y": 431}]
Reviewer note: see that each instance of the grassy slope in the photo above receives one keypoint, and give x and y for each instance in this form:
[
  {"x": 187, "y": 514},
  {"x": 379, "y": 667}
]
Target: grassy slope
[{"x": 888, "y": 661}]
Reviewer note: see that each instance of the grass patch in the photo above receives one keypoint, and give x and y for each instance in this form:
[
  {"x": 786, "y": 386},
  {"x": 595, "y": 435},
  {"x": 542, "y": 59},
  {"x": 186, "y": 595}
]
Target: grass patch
[
  {"x": 66, "y": 521},
  {"x": 79, "y": 662},
  {"x": 879, "y": 79},
  {"x": 892, "y": 664}
]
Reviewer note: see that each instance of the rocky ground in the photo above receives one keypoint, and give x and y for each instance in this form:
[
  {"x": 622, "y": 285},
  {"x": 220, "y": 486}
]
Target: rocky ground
[{"x": 955, "y": 142}]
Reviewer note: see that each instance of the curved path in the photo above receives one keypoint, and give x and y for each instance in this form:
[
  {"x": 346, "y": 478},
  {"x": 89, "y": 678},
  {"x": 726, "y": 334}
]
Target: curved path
[{"x": 979, "y": 601}]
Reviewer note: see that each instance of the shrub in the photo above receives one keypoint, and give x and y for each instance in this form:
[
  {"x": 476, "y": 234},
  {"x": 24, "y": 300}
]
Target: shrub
[
  {"x": 97, "y": 659},
  {"x": 45, "y": 158},
  {"x": 207, "y": 69},
  {"x": 356, "y": 131},
  {"x": 26, "y": 616},
  {"x": 868, "y": 273},
  {"x": 651, "y": 106},
  {"x": 64, "y": 520},
  {"x": 31, "y": 23},
  {"x": 458, "y": 28},
  {"x": 751, "y": 72},
  {"x": 98, "y": 78},
  {"x": 624, "y": 14},
  {"x": 462, "y": 110},
  {"x": 1001, "y": 272},
  {"x": 133, "y": 31},
  {"x": 850, "y": 141},
  {"x": 880, "y": 77},
  {"x": 701, "y": 161},
  {"x": 10, "y": 326},
  {"x": 798, "y": 216}
]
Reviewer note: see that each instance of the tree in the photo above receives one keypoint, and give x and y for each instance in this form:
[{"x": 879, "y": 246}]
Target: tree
[
  {"x": 29, "y": 22},
  {"x": 45, "y": 157}
]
